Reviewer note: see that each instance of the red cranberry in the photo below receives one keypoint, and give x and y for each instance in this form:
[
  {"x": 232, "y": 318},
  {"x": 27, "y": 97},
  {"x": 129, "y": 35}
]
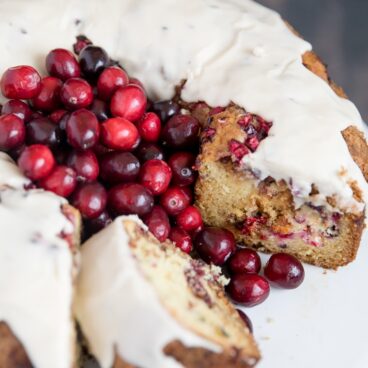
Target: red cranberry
[
  {"x": 136, "y": 82},
  {"x": 93, "y": 226},
  {"x": 246, "y": 320},
  {"x": 181, "y": 131},
  {"x": 62, "y": 64},
  {"x": 85, "y": 164},
  {"x": 109, "y": 80},
  {"x": 20, "y": 82},
  {"x": 248, "y": 289},
  {"x": 215, "y": 245},
  {"x": 80, "y": 44},
  {"x": 155, "y": 175},
  {"x": 90, "y": 199},
  {"x": 100, "y": 109},
  {"x": 166, "y": 109},
  {"x": 181, "y": 239},
  {"x": 284, "y": 270},
  {"x": 82, "y": 129},
  {"x": 149, "y": 151},
  {"x": 245, "y": 261},
  {"x": 120, "y": 134},
  {"x": 175, "y": 200},
  {"x": 190, "y": 219},
  {"x": 76, "y": 93},
  {"x": 43, "y": 131},
  {"x": 48, "y": 98},
  {"x": 17, "y": 107},
  {"x": 181, "y": 164},
  {"x": 93, "y": 60},
  {"x": 62, "y": 181},
  {"x": 129, "y": 102},
  {"x": 149, "y": 127},
  {"x": 158, "y": 223},
  {"x": 119, "y": 167},
  {"x": 57, "y": 115},
  {"x": 36, "y": 162},
  {"x": 130, "y": 198},
  {"x": 12, "y": 132}
]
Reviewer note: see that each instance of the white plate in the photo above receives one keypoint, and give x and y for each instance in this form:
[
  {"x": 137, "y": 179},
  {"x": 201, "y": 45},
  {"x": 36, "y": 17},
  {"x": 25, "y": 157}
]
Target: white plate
[{"x": 322, "y": 324}]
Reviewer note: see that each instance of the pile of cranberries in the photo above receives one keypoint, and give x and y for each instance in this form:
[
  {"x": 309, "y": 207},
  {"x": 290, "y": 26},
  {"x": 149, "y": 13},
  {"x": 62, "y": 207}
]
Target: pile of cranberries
[{"x": 87, "y": 132}]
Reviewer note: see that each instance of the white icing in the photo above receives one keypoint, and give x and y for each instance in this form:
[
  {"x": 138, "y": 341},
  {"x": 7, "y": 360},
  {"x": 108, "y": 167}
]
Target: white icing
[
  {"x": 118, "y": 308},
  {"x": 10, "y": 175}
]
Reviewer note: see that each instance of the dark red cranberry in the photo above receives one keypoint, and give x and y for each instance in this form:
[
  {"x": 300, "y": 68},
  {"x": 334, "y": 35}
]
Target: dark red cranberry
[
  {"x": 48, "y": 99},
  {"x": 181, "y": 164},
  {"x": 158, "y": 223},
  {"x": 181, "y": 239},
  {"x": 119, "y": 167},
  {"x": 43, "y": 131},
  {"x": 16, "y": 152},
  {"x": 12, "y": 132},
  {"x": 149, "y": 127},
  {"x": 190, "y": 219},
  {"x": 109, "y": 80},
  {"x": 76, "y": 93},
  {"x": 128, "y": 102},
  {"x": 93, "y": 226},
  {"x": 61, "y": 154},
  {"x": 245, "y": 261},
  {"x": 166, "y": 109},
  {"x": 82, "y": 129},
  {"x": 100, "y": 109},
  {"x": 85, "y": 164},
  {"x": 215, "y": 245},
  {"x": 93, "y": 60},
  {"x": 284, "y": 270},
  {"x": 248, "y": 289},
  {"x": 57, "y": 115},
  {"x": 99, "y": 149},
  {"x": 246, "y": 320},
  {"x": 62, "y": 181},
  {"x": 130, "y": 198},
  {"x": 17, "y": 107},
  {"x": 90, "y": 199},
  {"x": 175, "y": 200},
  {"x": 81, "y": 42},
  {"x": 36, "y": 162},
  {"x": 181, "y": 131},
  {"x": 149, "y": 151},
  {"x": 155, "y": 175},
  {"x": 62, "y": 64},
  {"x": 136, "y": 82},
  {"x": 120, "y": 134},
  {"x": 20, "y": 82}
]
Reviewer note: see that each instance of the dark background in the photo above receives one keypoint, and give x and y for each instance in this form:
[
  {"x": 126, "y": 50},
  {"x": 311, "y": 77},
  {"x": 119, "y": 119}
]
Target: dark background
[{"x": 338, "y": 31}]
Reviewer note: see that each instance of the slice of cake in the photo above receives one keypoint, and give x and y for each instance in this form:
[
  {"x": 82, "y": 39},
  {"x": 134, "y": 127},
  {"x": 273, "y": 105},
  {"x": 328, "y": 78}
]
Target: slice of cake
[{"x": 141, "y": 303}]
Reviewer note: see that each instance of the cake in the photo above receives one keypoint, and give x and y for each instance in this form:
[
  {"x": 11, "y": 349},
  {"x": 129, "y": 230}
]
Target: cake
[{"x": 142, "y": 303}]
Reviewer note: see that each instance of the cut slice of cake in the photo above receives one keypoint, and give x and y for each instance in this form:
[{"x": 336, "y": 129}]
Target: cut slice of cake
[{"x": 142, "y": 303}]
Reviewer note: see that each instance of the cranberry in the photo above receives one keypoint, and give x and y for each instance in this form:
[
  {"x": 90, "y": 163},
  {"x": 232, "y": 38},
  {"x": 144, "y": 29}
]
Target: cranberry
[
  {"x": 175, "y": 200},
  {"x": 85, "y": 164},
  {"x": 215, "y": 245},
  {"x": 149, "y": 127},
  {"x": 93, "y": 60},
  {"x": 17, "y": 107},
  {"x": 149, "y": 151},
  {"x": 20, "y": 82},
  {"x": 181, "y": 131},
  {"x": 90, "y": 199},
  {"x": 130, "y": 198},
  {"x": 158, "y": 223},
  {"x": 57, "y": 115},
  {"x": 166, "y": 109},
  {"x": 129, "y": 102},
  {"x": 36, "y": 162},
  {"x": 93, "y": 226},
  {"x": 43, "y": 131},
  {"x": 100, "y": 109},
  {"x": 48, "y": 99},
  {"x": 16, "y": 152},
  {"x": 63, "y": 121},
  {"x": 284, "y": 270},
  {"x": 109, "y": 80},
  {"x": 76, "y": 93},
  {"x": 81, "y": 43},
  {"x": 62, "y": 64},
  {"x": 119, "y": 167},
  {"x": 181, "y": 239},
  {"x": 120, "y": 134},
  {"x": 155, "y": 175},
  {"x": 12, "y": 132},
  {"x": 181, "y": 164},
  {"x": 62, "y": 181},
  {"x": 190, "y": 219},
  {"x": 248, "y": 289},
  {"x": 246, "y": 320},
  {"x": 82, "y": 129},
  {"x": 245, "y": 261}
]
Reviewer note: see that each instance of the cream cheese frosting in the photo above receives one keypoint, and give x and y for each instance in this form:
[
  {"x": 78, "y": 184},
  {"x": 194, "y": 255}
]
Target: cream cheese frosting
[
  {"x": 10, "y": 175},
  {"x": 118, "y": 308}
]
